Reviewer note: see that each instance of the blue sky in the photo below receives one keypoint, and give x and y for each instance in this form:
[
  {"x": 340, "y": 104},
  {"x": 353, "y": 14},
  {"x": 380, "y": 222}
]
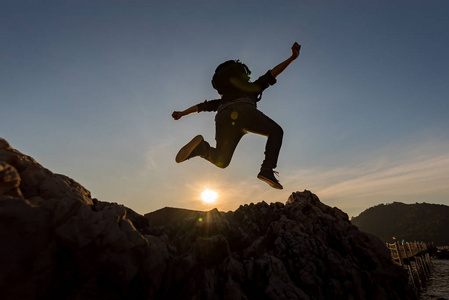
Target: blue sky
[{"x": 87, "y": 89}]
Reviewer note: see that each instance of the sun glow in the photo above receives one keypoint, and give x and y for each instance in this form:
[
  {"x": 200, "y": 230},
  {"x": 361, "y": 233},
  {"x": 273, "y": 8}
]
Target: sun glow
[{"x": 209, "y": 196}]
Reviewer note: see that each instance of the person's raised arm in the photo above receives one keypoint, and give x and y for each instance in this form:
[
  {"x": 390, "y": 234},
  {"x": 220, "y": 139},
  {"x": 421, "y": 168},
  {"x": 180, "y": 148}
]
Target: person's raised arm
[
  {"x": 283, "y": 65},
  {"x": 179, "y": 114}
]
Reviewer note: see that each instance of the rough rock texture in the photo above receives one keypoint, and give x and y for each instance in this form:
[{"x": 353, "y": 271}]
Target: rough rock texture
[{"x": 56, "y": 242}]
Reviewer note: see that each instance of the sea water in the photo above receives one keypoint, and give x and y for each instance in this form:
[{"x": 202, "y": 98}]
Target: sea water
[{"x": 438, "y": 284}]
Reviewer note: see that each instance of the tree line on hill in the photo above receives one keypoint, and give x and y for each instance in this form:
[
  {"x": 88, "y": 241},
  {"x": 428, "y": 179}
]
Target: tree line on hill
[{"x": 410, "y": 222}]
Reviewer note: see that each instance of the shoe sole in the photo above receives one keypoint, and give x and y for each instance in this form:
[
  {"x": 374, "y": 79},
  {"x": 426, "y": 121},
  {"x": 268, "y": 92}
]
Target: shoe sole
[
  {"x": 187, "y": 149},
  {"x": 270, "y": 182}
]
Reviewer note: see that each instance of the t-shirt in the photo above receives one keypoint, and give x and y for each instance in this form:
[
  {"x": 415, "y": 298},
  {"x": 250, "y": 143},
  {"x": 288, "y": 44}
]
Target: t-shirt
[{"x": 251, "y": 90}]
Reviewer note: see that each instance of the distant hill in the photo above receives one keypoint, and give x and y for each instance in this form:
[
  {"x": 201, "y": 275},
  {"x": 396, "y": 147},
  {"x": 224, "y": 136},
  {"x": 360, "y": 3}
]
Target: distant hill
[
  {"x": 421, "y": 222},
  {"x": 169, "y": 215}
]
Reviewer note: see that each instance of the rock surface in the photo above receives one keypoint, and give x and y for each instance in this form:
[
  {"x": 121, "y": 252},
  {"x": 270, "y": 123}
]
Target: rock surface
[{"x": 59, "y": 243}]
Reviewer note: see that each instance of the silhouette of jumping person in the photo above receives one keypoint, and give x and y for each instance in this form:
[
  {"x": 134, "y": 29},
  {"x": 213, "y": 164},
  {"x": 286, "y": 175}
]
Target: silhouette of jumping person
[{"x": 237, "y": 114}]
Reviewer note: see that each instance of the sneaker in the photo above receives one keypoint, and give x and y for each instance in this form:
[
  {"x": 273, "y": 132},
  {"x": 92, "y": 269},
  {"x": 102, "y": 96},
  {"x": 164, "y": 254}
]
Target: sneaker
[
  {"x": 190, "y": 150},
  {"x": 268, "y": 177}
]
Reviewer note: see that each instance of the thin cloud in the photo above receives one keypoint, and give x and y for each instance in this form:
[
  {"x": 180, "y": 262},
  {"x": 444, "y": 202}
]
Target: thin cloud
[
  {"x": 158, "y": 154},
  {"x": 407, "y": 177},
  {"x": 419, "y": 173}
]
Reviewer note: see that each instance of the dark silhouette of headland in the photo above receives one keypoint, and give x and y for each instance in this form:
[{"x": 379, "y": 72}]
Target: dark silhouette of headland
[
  {"x": 410, "y": 222},
  {"x": 57, "y": 242}
]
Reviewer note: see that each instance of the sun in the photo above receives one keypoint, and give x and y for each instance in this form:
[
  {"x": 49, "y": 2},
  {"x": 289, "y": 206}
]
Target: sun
[{"x": 209, "y": 196}]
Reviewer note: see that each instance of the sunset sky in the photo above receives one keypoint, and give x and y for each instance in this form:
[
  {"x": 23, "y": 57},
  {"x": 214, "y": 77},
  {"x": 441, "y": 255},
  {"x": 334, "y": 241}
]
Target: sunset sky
[{"x": 88, "y": 88}]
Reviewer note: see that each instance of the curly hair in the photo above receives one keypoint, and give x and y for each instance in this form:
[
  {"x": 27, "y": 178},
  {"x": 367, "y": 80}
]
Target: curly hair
[{"x": 226, "y": 70}]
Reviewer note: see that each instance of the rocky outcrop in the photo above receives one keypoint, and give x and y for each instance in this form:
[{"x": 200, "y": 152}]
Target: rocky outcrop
[
  {"x": 56, "y": 241},
  {"x": 59, "y": 243}
]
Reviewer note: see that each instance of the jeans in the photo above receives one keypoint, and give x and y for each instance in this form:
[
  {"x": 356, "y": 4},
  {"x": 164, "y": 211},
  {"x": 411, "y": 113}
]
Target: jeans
[{"x": 232, "y": 123}]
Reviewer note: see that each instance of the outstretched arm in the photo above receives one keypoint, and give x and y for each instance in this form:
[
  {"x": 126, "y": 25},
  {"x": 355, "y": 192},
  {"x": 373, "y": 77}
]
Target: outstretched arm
[
  {"x": 283, "y": 65},
  {"x": 179, "y": 114},
  {"x": 207, "y": 105}
]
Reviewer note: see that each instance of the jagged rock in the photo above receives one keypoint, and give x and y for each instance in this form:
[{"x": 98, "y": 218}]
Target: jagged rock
[
  {"x": 303, "y": 250},
  {"x": 55, "y": 242},
  {"x": 9, "y": 181},
  {"x": 59, "y": 243},
  {"x": 36, "y": 181}
]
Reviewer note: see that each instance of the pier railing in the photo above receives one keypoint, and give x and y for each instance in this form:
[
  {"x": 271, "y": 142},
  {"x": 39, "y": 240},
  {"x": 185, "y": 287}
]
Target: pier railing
[{"x": 414, "y": 257}]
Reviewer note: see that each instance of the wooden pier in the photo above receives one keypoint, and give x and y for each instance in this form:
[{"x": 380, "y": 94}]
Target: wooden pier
[{"x": 414, "y": 258}]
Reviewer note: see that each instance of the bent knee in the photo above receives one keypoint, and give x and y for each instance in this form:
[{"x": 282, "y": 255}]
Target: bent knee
[
  {"x": 223, "y": 163},
  {"x": 281, "y": 131},
  {"x": 278, "y": 131}
]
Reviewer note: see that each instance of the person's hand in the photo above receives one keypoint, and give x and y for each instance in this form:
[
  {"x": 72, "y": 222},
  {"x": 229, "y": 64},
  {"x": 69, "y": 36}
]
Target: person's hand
[
  {"x": 295, "y": 50},
  {"x": 177, "y": 115}
]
